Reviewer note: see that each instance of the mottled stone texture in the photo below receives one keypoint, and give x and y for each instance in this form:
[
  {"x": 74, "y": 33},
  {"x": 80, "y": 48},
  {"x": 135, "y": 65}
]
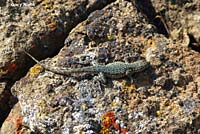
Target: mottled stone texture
[
  {"x": 40, "y": 27},
  {"x": 161, "y": 99}
]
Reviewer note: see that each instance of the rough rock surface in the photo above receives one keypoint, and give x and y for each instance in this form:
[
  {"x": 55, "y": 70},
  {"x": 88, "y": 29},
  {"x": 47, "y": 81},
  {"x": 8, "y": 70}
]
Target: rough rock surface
[
  {"x": 182, "y": 18},
  {"x": 14, "y": 122},
  {"x": 40, "y": 27},
  {"x": 162, "y": 99}
]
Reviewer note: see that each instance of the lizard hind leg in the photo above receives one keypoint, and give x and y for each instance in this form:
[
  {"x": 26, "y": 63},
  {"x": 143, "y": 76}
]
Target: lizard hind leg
[{"x": 129, "y": 74}]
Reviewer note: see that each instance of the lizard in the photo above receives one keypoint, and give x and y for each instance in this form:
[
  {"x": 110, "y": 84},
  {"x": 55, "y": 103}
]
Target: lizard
[{"x": 116, "y": 69}]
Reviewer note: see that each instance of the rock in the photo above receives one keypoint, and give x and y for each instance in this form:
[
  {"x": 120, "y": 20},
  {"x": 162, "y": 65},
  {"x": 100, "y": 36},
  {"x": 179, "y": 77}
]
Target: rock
[
  {"x": 164, "y": 82},
  {"x": 86, "y": 99},
  {"x": 6, "y": 100},
  {"x": 181, "y": 24},
  {"x": 178, "y": 78},
  {"x": 14, "y": 122},
  {"x": 164, "y": 98},
  {"x": 40, "y": 27}
]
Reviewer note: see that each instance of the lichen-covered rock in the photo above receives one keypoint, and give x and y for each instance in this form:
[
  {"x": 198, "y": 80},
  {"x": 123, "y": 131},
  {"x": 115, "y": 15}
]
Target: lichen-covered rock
[
  {"x": 40, "y": 27},
  {"x": 71, "y": 104},
  {"x": 181, "y": 18},
  {"x": 164, "y": 98},
  {"x": 14, "y": 122}
]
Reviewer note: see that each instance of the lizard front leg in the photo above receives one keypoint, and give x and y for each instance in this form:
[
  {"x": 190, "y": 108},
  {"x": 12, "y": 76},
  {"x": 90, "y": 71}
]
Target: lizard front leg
[{"x": 100, "y": 78}]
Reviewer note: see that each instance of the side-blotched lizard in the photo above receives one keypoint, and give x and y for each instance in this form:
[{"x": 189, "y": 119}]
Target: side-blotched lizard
[{"x": 111, "y": 70}]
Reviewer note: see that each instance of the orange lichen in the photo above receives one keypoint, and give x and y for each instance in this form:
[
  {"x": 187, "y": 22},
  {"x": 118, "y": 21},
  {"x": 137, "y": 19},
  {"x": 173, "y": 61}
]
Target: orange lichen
[
  {"x": 123, "y": 130},
  {"x": 159, "y": 113},
  {"x": 33, "y": 45},
  {"x": 130, "y": 88},
  {"x": 110, "y": 37},
  {"x": 105, "y": 131},
  {"x": 12, "y": 67},
  {"x": 151, "y": 42},
  {"x": 9, "y": 118},
  {"x": 47, "y": 4},
  {"x": 18, "y": 125},
  {"x": 52, "y": 25},
  {"x": 108, "y": 120},
  {"x": 35, "y": 70}
]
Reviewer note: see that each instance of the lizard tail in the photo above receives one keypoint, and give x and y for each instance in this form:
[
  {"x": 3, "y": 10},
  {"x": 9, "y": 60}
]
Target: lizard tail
[
  {"x": 51, "y": 69},
  {"x": 62, "y": 71}
]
